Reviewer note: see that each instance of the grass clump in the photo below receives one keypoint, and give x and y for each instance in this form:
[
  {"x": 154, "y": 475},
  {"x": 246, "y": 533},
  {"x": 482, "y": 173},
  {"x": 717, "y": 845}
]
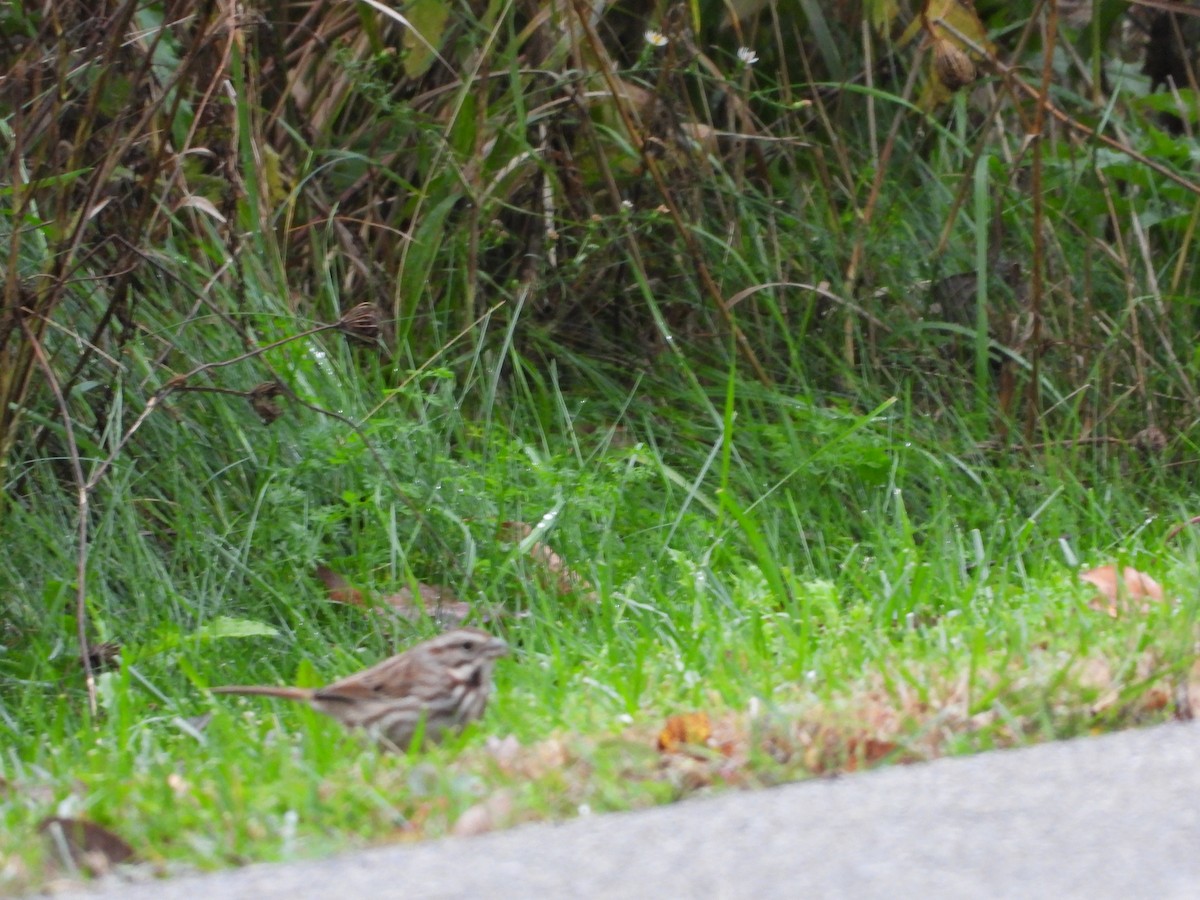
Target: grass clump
[
  {"x": 770, "y": 415},
  {"x": 829, "y": 592}
]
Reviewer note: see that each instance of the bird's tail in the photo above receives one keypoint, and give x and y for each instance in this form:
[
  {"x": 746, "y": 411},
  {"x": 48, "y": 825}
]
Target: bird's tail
[{"x": 265, "y": 690}]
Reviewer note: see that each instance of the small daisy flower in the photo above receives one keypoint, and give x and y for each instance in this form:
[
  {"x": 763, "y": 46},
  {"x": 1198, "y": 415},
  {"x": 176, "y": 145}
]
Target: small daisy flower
[
  {"x": 747, "y": 56},
  {"x": 655, "y": 38}
]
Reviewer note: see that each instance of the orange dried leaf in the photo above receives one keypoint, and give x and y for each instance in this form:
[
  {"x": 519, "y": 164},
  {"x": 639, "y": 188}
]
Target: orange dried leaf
[
  {"x": 1132, "y": 591},
  {"x": 515, "y": 531},
  {"x": 873, "y": 751},
  {"x": 687, "y": 729},
  {"x": 338, "y": 587}
]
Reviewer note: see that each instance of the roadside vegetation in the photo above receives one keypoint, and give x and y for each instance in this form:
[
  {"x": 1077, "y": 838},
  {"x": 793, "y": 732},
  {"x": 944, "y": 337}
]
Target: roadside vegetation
[{"x": 767, "y": 381}]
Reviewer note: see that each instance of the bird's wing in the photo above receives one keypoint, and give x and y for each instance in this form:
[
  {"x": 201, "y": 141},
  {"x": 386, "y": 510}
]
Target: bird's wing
[{"x": 391, "y": 678}]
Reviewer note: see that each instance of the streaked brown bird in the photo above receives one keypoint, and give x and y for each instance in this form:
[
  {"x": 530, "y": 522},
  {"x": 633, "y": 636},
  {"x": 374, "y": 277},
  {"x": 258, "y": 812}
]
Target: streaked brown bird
[{"x": 443, "y": 683}]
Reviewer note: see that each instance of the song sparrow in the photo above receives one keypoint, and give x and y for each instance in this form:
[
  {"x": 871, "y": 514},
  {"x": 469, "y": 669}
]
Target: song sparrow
[{"x": 443, "y": 682}]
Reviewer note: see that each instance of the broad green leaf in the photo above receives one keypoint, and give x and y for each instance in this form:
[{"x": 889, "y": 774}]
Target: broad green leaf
[
  {"x": 427, "y": 19},
  {"x": 228, "y": 627}
]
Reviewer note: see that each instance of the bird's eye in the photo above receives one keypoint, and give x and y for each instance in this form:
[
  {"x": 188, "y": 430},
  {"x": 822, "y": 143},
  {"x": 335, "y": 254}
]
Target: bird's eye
[{"x": 468, "y": 646}]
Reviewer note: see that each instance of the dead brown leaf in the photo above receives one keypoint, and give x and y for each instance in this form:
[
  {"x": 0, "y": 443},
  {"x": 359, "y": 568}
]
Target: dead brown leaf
[
  {"x": 685, "y": 730},
  {"x": 81, "y": 844},
  {"x": 438, "y": 603},
  {"x": 688, "y": 773},
  {"x": 1132, "y": 591},
  {"x": 505, "y": 751},
  {"x": 730, "y": 738},
  {"x": 1143, "y": 693},
  {"x": 1187, "y": 695},
  {"x": 566, "y": 579},
  {"x": 1093, "y": 672},
  {"x": 867, "y": 751},
  {"x": 487, "y": 815},
  {"x": 530, "y": 763},
  {"x": 1155, "y": 699},
  {"x": 338, "y": 587}
]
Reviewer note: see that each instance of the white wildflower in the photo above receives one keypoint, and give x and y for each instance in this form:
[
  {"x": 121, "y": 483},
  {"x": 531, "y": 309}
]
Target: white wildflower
[
  {"x": 656, "y": 38},
  {"x": 747, "y": 56}
]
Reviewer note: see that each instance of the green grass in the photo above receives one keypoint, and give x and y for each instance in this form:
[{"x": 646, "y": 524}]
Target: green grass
[
  {"x": 809, "y": 575},
  {"x": 869, "y": 555}
]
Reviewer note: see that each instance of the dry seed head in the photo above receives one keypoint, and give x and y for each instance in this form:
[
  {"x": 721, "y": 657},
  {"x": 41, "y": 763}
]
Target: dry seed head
[
  {"x": 362, "y": 321},
  {"x": 262, "y": 401},
  {"x": 1151, "y": 441}
]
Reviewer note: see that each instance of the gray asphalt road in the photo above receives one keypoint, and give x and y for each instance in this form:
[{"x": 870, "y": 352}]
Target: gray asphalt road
[{"x": 1114, "y": 816}]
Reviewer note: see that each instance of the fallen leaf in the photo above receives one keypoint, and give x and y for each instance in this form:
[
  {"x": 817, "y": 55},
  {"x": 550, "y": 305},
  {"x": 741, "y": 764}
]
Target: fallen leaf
[
  {"x": 1132, "y": 592},
  {"x": 338, "y": 587},
  {"x": 1154, "y": 699},
  {"x": 1133, "y": 694},
  {"x": 1187, "y": 695},
  {"x": 530, "y": 763},
  {"x": 684, "y": 730},
  {"x": 488, "y": 815},
  {"x": 1094, "y": 672},
  {"x": 688, "y": 773},
  {"x": 548, "y": 756},
  {"x": 729, "y": 738},
  {"x": 504, "y": 751},
  {"x": 567, "y": 580},
  {"x": 438, "y": 603},
  {"x": 865, "y": 752},
  {"x": 81, "y": 844}
]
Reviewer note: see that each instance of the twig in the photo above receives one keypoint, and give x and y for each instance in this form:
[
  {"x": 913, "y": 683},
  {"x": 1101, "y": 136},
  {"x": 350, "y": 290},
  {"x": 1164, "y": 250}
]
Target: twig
[
  {"x": 83, "y": 492},
  {"x": 1171, "y": 535},
  {"x": 1095, "y": 440}
]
